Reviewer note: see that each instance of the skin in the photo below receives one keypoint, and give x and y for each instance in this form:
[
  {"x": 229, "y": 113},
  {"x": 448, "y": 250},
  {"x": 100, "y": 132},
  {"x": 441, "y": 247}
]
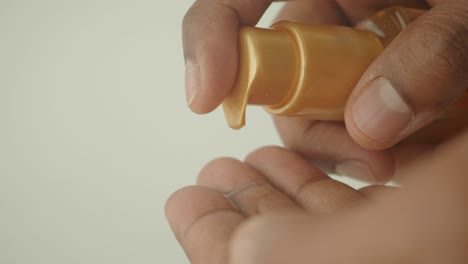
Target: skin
[
  {"x": 275, "y": 207},
  {"x": 435, "y": 43},
  {"x": 243, "y": 212},
  {"x": 423, "y": 223},
  {"x": 229, "y": 192}
]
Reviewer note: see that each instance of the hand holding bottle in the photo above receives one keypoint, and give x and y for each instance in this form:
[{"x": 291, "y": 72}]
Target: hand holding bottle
[{"x": 422, "y": 72}]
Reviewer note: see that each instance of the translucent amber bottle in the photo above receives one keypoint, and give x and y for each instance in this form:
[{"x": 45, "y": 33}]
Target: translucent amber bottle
[{"x": 309, "y": 71}]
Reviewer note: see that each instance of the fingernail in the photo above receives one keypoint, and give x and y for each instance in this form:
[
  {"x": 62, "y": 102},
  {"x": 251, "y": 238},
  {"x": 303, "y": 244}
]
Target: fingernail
[
  {"x": 192, "y": 81},
  {"x": 380, "y": 112},
  {"x": 356, "y": 170}
]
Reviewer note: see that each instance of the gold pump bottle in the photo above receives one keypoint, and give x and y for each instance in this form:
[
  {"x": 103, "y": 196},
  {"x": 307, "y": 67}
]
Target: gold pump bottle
[{"x": 309, "y": 71}]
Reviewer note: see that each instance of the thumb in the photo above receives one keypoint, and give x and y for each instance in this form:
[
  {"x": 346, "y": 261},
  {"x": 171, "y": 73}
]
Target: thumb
[{"x": 419, "y": 74}]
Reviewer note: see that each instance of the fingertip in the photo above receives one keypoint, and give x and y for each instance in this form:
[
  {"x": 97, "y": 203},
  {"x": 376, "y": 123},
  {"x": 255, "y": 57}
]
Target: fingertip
[
  {"x": 357, "y": 170},
  {"x": 210, "y": 47},
  {"x": 172, "y": 209},
  {"x": 206, "y": 85},
  {"x": 262, "y": 152},
  {"x": 176, "y": 202},
  {"x": 218, "y": 166},
  {"x": 211, "y": 78},
  {"x": 202, "y": 220}
]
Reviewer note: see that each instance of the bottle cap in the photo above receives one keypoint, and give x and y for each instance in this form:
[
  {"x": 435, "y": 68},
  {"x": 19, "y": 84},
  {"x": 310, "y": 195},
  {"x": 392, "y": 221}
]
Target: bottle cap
[{"x": 296, "y": 69}]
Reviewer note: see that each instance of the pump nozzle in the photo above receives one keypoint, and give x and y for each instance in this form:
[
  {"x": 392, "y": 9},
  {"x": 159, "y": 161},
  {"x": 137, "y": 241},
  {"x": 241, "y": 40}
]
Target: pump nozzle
[
  {"x": 297, "y": 69},
  {"x": 266, "y": 73}
]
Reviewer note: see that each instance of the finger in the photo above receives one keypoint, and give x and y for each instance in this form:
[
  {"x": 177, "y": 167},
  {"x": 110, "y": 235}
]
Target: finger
[
  {"x": 406, "y": 155},
  {"x": 434, "y": 2},
  {"x": 210, "y": 31},
  {"x": 313, "y": 12},
  {"x": 421, "y": 73},
  {"x": 247, "y": 188},
  {"x": 357, "y": 10},
  {"x": 294, "y": 176},
  {"x": 425, "y": 224},
  {"x": 329, "y": 146},
  {"x": 202, "y": 221},
  {"x": 374, "y": 191}
]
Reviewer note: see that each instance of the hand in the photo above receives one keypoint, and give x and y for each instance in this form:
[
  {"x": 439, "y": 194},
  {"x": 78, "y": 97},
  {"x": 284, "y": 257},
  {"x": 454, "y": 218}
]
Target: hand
[
  {"x": 425, "y": 67},
  {"x": 309, "y": 218},
  {"x": 229, "y": 192}
]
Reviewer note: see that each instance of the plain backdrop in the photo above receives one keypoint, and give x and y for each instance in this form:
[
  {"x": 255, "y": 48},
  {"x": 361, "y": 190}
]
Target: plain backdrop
[{"x": 94, "y": 131}]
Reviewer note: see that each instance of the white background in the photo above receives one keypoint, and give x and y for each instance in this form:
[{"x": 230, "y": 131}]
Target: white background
[{"x": 94, "y": 131}]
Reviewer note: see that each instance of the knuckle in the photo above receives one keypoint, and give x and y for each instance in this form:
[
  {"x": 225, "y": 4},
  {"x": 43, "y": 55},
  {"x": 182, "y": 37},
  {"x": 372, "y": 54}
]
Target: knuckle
[
  {"x": 211, "y": 16},
  {"x": 446, "y": 43},
  {"x": 203, "y": 24},
  {"x": 434, "y": 57}
]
